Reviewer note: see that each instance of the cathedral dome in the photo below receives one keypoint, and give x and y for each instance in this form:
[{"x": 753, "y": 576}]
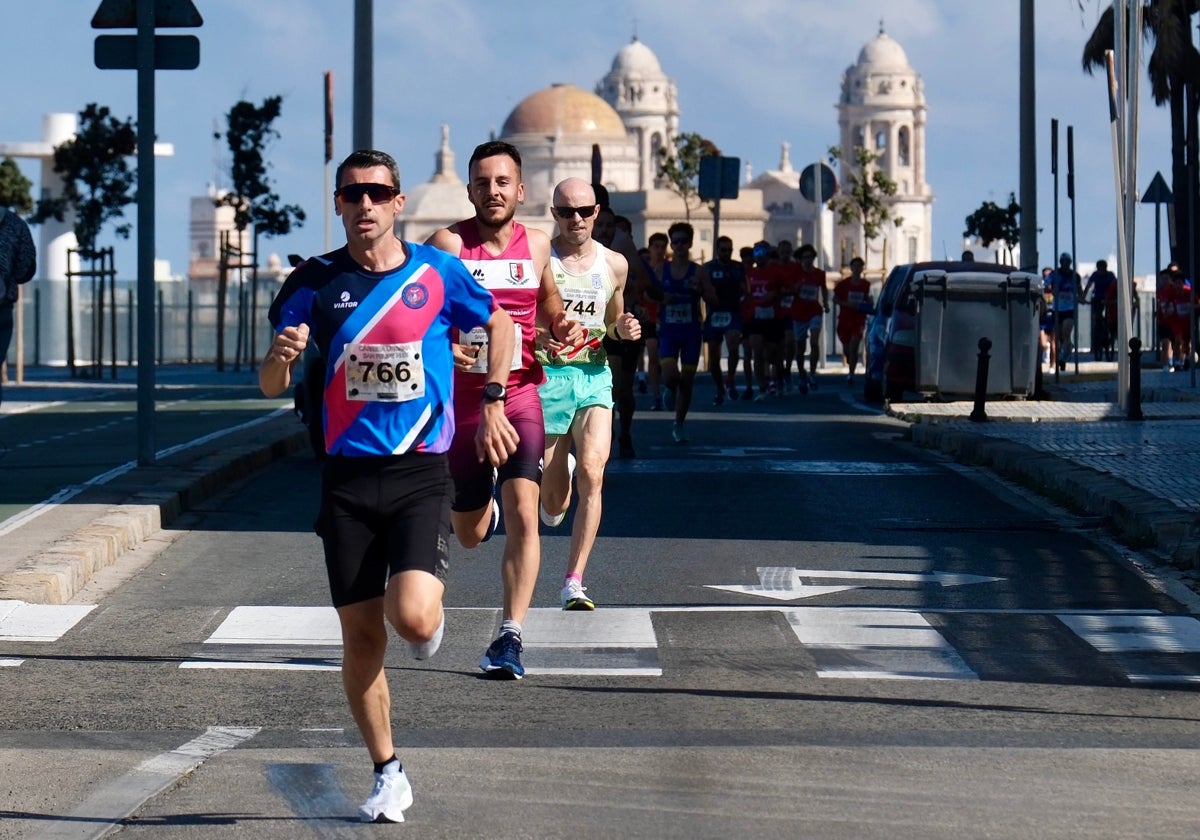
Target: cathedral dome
[
  {"x": 563, "y": 108},
  {"x": 636, "y": 59},
  {"x": 883, "y": 54}
]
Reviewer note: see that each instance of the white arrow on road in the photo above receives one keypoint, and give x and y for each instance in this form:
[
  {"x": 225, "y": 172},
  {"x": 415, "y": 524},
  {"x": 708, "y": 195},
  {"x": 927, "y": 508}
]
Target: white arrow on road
[{"x": 785, "y": 584}]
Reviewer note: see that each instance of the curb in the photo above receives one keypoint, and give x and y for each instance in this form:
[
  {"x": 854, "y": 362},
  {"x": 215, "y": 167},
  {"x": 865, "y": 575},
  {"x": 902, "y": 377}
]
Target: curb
[{"x": 155, "y": 498}]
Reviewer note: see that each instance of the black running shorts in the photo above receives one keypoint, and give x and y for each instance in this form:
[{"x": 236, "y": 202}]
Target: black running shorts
[{"x": 380, "y": 516}]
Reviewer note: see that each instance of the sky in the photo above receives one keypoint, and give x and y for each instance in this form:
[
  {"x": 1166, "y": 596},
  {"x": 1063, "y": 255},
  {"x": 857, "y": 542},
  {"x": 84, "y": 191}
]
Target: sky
[{"x": 750, "y": 76}]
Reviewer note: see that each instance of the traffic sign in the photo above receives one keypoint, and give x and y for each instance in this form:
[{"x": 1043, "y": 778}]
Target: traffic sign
[
  {"x": 122, "y": 14},
  {"x": 808, "y": 185},
  {"x": 718, "y": 177},
  {"x": 1158, "y": 192},
  {"x": 171, "y": 52}
]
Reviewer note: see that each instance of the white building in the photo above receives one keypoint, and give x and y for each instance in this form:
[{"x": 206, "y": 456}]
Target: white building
[{"x": 882, "y": 109}]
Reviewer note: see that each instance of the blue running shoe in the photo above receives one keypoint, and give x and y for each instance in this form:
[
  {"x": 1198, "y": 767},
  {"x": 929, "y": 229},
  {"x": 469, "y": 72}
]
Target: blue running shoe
[{"x": 502, "y": 660}]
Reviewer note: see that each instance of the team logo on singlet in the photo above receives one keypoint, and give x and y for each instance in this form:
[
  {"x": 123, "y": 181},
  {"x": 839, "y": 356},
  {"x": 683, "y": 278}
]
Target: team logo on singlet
[
  {"x": 344, "y": 301},
  {"x": 516, "y": 272},
  {"x": 415, "y": 295},
  {"x": 597, "y": 281}
]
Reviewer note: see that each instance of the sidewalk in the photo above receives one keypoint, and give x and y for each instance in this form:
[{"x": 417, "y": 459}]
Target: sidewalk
[{"x": 1078, "y": 449}]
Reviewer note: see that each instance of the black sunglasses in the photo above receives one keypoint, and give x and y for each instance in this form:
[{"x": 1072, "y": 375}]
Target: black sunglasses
[
  {"x": 378, "y": 193},
  {"x": 569, "y": 212}
]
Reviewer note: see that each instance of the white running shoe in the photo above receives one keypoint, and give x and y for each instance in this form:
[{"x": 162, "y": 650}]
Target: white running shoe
[
  {"x": 390, "y": 797},
  {"x": 573, "y": 598},
  {"x": 556, "y": 519},
  {"x": 424, "y": 650}
]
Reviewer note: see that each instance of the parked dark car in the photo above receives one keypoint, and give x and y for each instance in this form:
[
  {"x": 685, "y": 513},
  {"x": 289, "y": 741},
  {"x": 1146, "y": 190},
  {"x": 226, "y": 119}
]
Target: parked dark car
[{"x": 876, "y": 336}]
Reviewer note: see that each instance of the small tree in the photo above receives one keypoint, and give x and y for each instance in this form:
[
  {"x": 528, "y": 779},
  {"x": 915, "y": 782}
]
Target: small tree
[
  {"x": 252, "y": 199},
  {"x": 15, "y": 188},
  {"x": 864, "y": 198},
  {"x": 97, "y": 185},
  {"x": 993, "y": 223},
  {"x": 97, "y": 179},
  {"x": 679, "y": 167}
]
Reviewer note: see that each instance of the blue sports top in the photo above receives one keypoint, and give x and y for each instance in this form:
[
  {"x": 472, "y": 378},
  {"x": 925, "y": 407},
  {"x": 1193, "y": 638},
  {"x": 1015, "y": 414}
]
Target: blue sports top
[
  {"x": 680, "y": 307},
  {"x": 386, "y": 339}
]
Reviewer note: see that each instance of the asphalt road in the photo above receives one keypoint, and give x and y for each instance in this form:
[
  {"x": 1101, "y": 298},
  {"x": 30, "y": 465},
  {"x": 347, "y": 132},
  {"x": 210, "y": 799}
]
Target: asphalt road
[{"x": 806, "y": 628}]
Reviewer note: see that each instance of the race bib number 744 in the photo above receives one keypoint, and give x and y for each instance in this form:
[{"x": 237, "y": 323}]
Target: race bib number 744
[{"x": 384, "y": 372}]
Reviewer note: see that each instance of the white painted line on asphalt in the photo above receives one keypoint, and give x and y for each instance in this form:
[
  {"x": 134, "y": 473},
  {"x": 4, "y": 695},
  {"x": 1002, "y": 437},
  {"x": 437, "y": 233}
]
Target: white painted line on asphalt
[
  {"x": 876, "y": 644},
  {"x": 1172, "y": 679},
  {"x": 279, "y": 626},
  {"x": 115, "y": 800},
  {"x": 22, "y": 622},
  {"x": 34, "y": 511},
  {"x": 230, "y": 665},
  {"x": 11, "y": 663},
  {"x": 681, "y": 466},
  {"x": 1142, "y": 634}
]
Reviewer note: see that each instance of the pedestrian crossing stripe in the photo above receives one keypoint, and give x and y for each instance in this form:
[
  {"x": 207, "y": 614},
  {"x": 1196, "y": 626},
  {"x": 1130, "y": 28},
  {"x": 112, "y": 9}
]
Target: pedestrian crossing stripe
[
  {"x": 22, "y": 622},
  {"x": 876, "y": 644}
]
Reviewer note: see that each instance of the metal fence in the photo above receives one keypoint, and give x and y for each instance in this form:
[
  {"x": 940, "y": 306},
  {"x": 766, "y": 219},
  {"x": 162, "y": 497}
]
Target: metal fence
[{"x": 103, "y": 324}]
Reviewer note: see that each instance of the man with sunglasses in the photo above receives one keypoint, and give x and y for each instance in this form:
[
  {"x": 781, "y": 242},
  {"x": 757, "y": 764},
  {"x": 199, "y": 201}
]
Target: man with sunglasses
[
  {"x": 381, "y": 311},
  {"x": 513, "y": 263},
  {"x": 577, "y": 396}
]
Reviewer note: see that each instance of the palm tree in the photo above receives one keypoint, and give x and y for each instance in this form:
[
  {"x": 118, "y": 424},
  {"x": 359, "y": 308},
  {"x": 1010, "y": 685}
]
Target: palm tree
[{"x": 1174, "y": 70}]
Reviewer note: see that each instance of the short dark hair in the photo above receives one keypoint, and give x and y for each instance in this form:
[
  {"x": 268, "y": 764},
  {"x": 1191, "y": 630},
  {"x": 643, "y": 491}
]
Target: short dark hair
[
  {"x": 368, "y": 159},
  {"x": 858, "y": 260},
  {"x": 492, "y": 148},
  {"x": 724, "y": 240},
  {"x": 682, "y": 227},
  {"x": 806, "y": 248},
  {"x": 658, "y": 236},
  {"x": 1101, "y": 263}
]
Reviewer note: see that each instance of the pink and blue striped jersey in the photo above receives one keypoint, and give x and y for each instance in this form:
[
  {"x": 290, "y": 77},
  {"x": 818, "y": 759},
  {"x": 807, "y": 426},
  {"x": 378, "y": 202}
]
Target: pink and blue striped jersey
[{"x": 389, "y": 374}]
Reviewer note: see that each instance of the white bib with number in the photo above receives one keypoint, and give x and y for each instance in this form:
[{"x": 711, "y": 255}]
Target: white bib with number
[
  {"x": 585, "y": 306},
  {"x": 478, "y": 338},
  {"x": 384, "y": 372},
  {"x": 722, "y": 319}
]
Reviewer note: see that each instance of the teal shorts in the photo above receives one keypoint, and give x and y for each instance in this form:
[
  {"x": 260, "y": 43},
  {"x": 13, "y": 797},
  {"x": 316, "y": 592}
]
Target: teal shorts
[{"x": 570, "y": 388}]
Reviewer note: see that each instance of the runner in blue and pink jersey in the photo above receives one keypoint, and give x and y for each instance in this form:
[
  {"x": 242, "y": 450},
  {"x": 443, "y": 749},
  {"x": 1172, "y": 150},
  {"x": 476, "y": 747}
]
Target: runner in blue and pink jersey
[{"x": 382, "y": 311}]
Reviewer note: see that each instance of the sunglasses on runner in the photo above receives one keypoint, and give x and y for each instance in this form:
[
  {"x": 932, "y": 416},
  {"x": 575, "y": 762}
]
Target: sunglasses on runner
[
  {"x": 569, "y": 212},
  {"x": 378, "y": 193}
]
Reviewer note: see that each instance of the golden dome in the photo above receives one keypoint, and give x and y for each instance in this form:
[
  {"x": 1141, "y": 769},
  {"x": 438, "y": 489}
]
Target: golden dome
[{"x": 563, "y": 107}]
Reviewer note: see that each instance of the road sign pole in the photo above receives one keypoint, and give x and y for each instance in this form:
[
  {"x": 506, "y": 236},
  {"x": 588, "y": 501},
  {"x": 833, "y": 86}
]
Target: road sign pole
[{"x": 145, "y": 222}]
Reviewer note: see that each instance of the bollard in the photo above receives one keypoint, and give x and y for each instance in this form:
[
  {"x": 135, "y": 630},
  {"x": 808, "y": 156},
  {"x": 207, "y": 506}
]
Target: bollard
[
  {"x": 1135, "y": 379},
  {"x": 979, "y": 415}
]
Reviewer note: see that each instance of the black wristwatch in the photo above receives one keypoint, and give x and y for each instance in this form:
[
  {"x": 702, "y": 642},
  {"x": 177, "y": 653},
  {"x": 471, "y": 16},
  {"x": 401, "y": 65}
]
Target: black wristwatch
[{"x": 495, "y": 392}]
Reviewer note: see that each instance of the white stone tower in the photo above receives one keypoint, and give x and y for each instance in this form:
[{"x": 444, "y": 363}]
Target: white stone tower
[
  {"x": 644, "y": 97},
  {"x": 882, "y": 108}
]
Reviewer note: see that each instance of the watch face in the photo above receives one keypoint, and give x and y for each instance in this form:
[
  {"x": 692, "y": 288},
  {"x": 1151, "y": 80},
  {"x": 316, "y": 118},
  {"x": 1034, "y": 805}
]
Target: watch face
[{"x": 492, "y": 391}]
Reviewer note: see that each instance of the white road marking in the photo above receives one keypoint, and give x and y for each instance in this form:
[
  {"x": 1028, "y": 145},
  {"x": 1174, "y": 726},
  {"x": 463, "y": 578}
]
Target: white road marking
[
  {"x": 787, "y": 584},
  {"x": 22, "y": 622},
  {"x": 682, "y": 466},
  {"x": 114, "y": 801},
  {"x": 1137, "y": 633},
  {"x": 876, "y": 644}
]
